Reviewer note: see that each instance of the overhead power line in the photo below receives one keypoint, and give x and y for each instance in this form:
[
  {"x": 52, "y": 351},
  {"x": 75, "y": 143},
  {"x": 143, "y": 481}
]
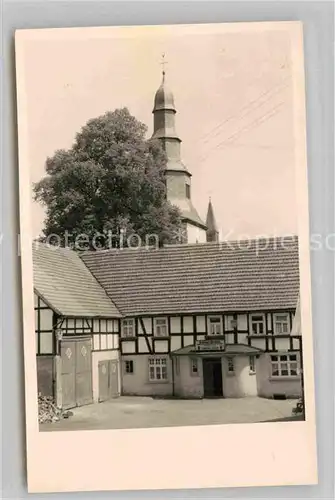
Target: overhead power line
[
  {"x": 248, "y": 108},
  {"x": 250, "y": 126},
  {"x": 255, "y": 123}
]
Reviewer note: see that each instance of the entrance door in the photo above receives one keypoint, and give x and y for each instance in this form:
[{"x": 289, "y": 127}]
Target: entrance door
[
  {"x": 212, "y": 372},
  {"x": 83, "y": 373},
  {"x": 103, "y": 381},
  {"x": 76, "y": 372},
  {"x": 114, "y": 378},
  {"x": 108, "y": 380},
  {"x": 68, "y": 353}
]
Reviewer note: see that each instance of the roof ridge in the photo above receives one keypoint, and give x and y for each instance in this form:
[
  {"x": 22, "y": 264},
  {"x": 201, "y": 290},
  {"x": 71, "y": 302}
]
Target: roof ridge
[{"x": 185, "y": 246}]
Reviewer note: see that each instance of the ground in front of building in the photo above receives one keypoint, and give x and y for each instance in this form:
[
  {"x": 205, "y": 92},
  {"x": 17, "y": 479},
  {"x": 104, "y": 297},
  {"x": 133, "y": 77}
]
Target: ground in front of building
[{"x": 130, "y": 412}]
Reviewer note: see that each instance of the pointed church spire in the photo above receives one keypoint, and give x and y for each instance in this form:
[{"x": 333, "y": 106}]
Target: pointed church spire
[{"x": 212, "y": 234}]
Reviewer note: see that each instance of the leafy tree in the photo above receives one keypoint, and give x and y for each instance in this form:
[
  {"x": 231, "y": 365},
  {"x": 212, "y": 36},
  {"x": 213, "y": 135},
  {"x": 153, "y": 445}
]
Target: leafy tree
[{"x": 110, "y": 183}]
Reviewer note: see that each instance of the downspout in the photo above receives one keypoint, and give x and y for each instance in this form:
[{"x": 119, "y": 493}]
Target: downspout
[{"x": 173, "y": 388}]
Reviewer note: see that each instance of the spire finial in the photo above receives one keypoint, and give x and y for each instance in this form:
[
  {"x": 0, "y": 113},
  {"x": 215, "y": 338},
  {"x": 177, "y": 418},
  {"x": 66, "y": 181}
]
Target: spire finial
[{"x": 163, "y": 63}]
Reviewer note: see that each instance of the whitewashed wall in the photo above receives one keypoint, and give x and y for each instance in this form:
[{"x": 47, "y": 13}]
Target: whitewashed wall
[
  {"x": 138, "y": 383},
  {"x": 268, "y": 385},
  {"x": 195, "y": 234},
  {"x": 241, "y": 382},
  {"x": 188, "y": 385}
]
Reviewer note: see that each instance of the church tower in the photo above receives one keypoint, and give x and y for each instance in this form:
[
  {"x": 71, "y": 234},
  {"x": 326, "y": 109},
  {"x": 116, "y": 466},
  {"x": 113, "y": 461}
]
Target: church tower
[
  {"x": 212, "y": 233},
  {"x": 178, "y": 178}
]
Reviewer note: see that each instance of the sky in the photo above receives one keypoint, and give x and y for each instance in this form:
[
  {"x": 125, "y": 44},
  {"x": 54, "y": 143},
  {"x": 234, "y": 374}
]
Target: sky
[{"x": 233, "y": 94}]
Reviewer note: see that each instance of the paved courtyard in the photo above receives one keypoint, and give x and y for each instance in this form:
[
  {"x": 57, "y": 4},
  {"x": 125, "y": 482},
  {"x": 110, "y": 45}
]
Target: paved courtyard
[{"x": 143, "y": 412}]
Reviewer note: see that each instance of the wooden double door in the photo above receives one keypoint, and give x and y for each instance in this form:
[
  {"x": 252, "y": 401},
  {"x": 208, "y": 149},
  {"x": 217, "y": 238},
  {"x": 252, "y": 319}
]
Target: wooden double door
[
  {"x": 108, "y": 379},
  {"x": 76, "y": 378}
]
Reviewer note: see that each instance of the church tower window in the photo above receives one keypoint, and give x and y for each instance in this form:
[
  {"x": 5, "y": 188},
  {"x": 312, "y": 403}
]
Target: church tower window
[{"x": 188, "y": 191}]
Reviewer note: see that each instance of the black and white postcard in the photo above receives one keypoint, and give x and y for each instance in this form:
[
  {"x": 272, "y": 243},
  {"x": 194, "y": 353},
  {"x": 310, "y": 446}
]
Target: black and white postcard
[{"x": 165, "y": 257}]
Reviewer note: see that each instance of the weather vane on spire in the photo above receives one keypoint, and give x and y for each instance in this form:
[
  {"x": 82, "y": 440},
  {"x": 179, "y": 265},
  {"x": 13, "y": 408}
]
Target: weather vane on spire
[{"x": 163, "y": 63}]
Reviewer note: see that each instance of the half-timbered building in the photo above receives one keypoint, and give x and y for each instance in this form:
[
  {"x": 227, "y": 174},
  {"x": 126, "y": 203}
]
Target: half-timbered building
[
  {"x": 206, "y": 320},
  {"x": 201, "y": 319},
  {"x": 190, "y": 321},
  {"x": 77, "y": 330}
]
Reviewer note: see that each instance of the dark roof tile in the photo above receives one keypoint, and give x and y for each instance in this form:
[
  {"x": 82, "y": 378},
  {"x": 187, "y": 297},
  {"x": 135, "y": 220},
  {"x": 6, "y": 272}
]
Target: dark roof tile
[{"x": 211, "y": 277}]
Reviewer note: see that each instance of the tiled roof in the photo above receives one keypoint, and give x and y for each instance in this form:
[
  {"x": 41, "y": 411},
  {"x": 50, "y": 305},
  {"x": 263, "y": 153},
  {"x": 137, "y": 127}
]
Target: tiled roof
[
  {"x": 65, "y": 283},
  {"x": 230, "y": 350},
  {"x": 211, "y": 277}
]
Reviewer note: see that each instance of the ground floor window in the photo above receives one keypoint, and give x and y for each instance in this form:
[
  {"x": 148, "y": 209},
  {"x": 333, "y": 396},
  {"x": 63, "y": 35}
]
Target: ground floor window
[
  {"x": 231, "y": 367},
  {"x": 194, "y": 366},
  {"x": 252, "y": 364},
  {"x": 284, "y": 365},
  {"x": 157, "y": 369},
  {"x": 177, "y": 366},
  {"x": 129, "y": 366}
]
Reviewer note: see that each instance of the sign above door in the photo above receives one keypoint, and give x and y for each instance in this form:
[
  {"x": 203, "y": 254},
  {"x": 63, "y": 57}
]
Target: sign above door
[{"x": 210, "y": 345}]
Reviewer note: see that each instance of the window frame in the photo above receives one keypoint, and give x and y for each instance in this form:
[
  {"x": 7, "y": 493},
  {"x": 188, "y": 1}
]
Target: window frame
[
  {"x": 157, "y": 363},
  {"x": 127, "y": 320},
  {"x": 188, "y": 191},
  {"x": 132, "y": 364},
  {"x": 194, "y": 362},
  {"x": 230, "y": 365},
  {"x": 257, "y": 322},
  {"x": 275, "y": 322},
  {"x": 288, "y": 362},
  {"x": 160, "y": 318},
  {"x": 252, "y": 364},
  {"x": 220, "y": 322}
]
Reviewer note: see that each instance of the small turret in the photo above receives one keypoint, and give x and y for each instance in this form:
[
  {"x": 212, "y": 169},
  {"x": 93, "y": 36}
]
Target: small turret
[{"x": 212, "y": 234}]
